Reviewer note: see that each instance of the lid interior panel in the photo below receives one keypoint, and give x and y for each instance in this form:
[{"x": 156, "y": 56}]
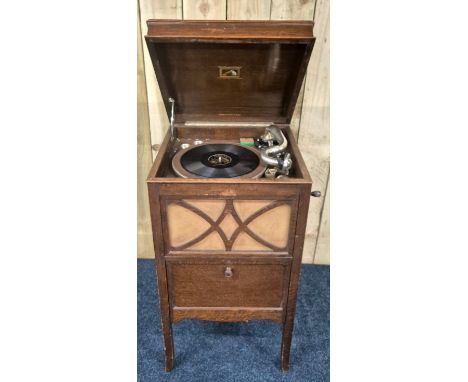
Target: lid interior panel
[{"x": 235, "y": 80}]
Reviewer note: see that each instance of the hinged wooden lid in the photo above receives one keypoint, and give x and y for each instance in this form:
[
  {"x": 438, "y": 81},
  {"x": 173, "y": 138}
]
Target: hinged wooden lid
[{"x": 243, "y": 71}]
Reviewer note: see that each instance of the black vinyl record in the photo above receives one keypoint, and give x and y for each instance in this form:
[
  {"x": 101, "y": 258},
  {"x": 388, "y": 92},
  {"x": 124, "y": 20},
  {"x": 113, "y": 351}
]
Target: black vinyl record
[{"x": 219, "y": 160}]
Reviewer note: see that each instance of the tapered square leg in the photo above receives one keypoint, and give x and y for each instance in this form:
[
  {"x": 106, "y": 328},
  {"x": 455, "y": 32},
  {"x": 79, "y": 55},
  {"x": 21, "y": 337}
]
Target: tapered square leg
[
  {"x": 286, "y": 344},
  {"x": 166, "y": 324},
  {"x": 166, "y": 327},
  {"x": 168, "y": 347},
  {"x": 288, "y": 323}
]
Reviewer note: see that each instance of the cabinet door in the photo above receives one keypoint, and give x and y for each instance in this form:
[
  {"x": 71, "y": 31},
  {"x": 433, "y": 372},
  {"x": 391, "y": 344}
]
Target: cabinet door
[{"x": 228, "y": 289}]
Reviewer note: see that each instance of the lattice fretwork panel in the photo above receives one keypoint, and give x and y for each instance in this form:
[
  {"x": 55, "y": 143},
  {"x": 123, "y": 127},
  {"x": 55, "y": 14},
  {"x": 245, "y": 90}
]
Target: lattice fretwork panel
[{"x": 228, "y": 225}]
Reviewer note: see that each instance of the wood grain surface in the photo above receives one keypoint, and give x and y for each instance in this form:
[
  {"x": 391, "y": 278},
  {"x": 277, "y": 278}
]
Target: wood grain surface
[
  {"x": 145, "y": 236},
  {"x": 211, "y": 285},
  {"x": 310, "y": 121},
  {"x": 162, "y": 9},
  {"x": 314, "y": 135},
  {"x": 228, "y": 314},
  {"x": 262, "y": 91},
  {"x": 322, "y": 250},
  {"x": 294, "y": 10},
  {"x": 204, "y": 9},
  {"x": 248, "y": 10}
]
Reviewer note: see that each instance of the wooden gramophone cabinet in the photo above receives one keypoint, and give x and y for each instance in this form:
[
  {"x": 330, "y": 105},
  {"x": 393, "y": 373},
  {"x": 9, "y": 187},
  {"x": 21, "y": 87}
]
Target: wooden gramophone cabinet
[{"x": 228, "y": 249}]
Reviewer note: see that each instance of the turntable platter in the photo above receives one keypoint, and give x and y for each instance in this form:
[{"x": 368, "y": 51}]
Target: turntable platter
[{"x": 218, "y": 160}]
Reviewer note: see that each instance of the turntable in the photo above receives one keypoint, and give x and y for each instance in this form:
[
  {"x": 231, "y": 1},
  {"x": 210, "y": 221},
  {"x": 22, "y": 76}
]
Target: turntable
[
  {"x": 218, "y": 160},
  {"x": 229, "y": 191}
]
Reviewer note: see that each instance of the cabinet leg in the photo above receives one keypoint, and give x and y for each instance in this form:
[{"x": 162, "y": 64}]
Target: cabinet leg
[
  {"x": 286, "y": 343},
  {"x": 168, "y": 345},
  {"x": 166, "y": 324}
]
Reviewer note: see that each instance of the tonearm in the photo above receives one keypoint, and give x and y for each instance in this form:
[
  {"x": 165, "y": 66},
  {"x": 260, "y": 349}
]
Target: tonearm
[{"x": 275, "y": 155}]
